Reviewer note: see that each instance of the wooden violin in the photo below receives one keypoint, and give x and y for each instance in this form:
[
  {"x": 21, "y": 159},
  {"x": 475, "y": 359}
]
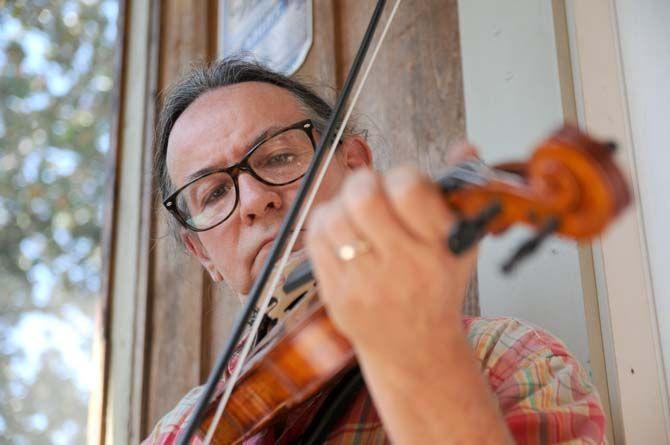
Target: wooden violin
[{"x": 570, "y": 186}]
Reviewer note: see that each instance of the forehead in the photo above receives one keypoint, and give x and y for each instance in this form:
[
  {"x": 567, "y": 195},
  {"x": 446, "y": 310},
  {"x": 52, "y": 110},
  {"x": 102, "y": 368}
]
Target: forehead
[{"x": 218, "y": 127}]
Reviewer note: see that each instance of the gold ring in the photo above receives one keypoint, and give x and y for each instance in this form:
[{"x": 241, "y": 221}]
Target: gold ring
[{"x": 347, "y": 252}]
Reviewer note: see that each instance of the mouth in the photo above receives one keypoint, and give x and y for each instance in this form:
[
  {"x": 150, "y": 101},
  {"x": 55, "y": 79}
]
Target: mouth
[{"x": 265, "y": 246}]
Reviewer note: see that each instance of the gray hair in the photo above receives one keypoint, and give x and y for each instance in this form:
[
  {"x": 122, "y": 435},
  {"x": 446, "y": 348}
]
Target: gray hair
[{"x": 222, "y": 73}]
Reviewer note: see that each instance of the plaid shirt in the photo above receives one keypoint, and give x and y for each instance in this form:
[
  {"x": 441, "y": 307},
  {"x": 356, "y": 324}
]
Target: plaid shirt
[{"x": 544, "y": 394}]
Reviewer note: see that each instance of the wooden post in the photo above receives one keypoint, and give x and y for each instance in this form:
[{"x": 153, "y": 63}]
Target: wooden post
[{"x": 179, "y": 285}]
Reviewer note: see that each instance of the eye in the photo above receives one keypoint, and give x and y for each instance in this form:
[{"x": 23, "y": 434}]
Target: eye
[
  {"x": 217, "y": 193},
  {"x": 280, "y": 159}
]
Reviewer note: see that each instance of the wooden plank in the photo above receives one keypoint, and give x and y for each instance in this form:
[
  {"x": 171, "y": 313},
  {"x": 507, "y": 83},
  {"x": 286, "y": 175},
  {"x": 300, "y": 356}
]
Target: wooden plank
[
  {"x": 177, "y": 281},
  {"x": 95, "y": 424},
  {"x": 319, "y": 69},
  {"x": 125, "y": 270},
  {"x": 139, "y": 426},
  {"x": 420, "y": 62}
]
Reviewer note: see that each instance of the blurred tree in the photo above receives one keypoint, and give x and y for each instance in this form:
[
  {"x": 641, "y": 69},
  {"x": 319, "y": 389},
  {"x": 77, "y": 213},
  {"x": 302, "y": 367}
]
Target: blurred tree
[{"x": 56, "y": 78}]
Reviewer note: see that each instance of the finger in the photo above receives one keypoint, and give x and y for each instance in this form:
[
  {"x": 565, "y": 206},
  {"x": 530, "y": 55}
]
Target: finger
[
  {"x": 461, "y": 151},
  {"x": 370, "y": 212},
  {"x": 418, "y": 204},
  {"x": 342, "y": 233},
  {"x": 319, "y": 247}
]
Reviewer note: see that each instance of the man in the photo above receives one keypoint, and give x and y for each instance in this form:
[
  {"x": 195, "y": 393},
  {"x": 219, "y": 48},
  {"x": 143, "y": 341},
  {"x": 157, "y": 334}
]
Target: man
[{"x": 233, "y": 141}]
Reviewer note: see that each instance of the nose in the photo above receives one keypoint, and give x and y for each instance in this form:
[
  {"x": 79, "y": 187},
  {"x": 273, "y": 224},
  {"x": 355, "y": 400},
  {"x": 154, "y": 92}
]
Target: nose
[{"x": 256, "y": 198}]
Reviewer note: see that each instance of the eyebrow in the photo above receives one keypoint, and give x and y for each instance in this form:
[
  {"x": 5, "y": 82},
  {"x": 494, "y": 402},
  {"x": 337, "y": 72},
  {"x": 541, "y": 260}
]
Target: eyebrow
[{"x": 212, "y": 168}]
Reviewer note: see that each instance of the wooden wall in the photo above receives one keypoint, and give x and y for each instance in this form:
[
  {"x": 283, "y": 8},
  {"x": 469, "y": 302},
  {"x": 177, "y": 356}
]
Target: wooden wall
[
  {"x": 179, "y": 294},
  {"x": 420, "y": 64},
  {"x": 187, "y": 319}
]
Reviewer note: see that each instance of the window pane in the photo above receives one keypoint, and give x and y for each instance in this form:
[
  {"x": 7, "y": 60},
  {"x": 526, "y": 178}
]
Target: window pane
[{"x": 56, "y": 81}]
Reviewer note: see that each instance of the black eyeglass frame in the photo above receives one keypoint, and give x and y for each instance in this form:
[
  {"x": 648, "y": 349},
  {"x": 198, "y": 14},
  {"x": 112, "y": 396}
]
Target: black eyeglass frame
[{"x": 170, "y": 203}]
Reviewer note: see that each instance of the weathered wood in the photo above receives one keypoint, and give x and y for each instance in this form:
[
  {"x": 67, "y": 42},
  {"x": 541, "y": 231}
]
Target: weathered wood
[
  {"x": 177, "y": 281},
  {"x": 127, "y": 256},
  {"x": 320, "y": 67},
  {"x": 144, "y": 306},
  {"x": 127, "y": 305},
  {"x": 420, "y": 63},
  {"x": 100, "y": 356}
]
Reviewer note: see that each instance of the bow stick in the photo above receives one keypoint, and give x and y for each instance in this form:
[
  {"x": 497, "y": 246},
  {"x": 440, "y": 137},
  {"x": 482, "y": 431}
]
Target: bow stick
[{"x": 282, "y": 243}]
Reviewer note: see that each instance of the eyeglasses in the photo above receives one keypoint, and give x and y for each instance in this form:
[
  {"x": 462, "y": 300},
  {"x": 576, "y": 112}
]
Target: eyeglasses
[{"x": 279, "y": 159}]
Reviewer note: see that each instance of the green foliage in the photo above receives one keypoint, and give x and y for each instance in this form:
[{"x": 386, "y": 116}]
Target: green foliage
[{"x": 56, "y": 78}]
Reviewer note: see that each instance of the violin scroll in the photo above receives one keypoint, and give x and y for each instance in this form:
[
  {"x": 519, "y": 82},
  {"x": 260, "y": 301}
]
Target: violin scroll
[{"x": 570, "y": 186}]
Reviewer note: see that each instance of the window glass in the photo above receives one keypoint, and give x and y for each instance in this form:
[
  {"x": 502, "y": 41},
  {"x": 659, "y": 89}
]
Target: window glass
[{"x": 56, "y": 81}]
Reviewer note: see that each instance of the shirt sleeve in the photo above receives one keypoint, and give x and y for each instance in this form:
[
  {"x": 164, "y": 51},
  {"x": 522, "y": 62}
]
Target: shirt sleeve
[
  {"x": 545, "y": 395},
  {"x": 167, "y": 430}
]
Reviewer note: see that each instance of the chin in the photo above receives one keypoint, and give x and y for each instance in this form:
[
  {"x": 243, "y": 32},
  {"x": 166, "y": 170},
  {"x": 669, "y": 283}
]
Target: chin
[{"x": 264, "y": 254}]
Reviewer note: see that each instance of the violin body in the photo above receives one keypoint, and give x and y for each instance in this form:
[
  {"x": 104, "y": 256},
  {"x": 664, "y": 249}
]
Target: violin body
[
  {"x": 570, "y": 186},
  {"x": 300, "y": 356}
]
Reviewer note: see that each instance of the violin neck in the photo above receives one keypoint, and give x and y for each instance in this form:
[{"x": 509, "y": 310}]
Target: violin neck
[{"x": 474, "y": 172}]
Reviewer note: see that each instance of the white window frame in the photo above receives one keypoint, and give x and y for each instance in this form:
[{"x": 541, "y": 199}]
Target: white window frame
[{"x": 629, "y": 320}]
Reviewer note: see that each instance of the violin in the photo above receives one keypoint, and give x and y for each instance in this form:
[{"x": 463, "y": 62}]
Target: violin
[{"x": 570, "y": 186}]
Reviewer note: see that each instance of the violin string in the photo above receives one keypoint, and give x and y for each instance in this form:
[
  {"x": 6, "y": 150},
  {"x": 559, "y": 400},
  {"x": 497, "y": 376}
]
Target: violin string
[
  {"x": 296, "y": 232},
  {"x": 478, "y": 173}
]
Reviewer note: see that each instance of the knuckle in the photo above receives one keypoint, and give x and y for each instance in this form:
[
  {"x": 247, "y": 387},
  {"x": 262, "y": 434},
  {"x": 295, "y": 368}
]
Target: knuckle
[
  {"x": 318, "y": 220},
  {"x": 357, "y": 181},
  {"x": 333, "y": 224},
  {"x": 407, "y": 184},
  {"x": 406, "y": 172},
  {"x": 325, "y": 219},
  {"x": 317, "y": 216},
  {"x": 363, "y": 192},
  {"x": 461, "y": 151},
  {"x": 312, "y": 238}
]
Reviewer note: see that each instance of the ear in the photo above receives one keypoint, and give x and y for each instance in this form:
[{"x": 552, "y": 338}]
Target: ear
[
  {"x": 195, "y": 247},
  {"x": 356, "y": 153}
]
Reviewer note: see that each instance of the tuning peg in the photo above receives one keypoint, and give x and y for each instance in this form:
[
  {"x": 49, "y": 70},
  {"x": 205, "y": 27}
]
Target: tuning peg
[
  {"x": 611, "y": 146},
  {"x": 530, "y": 245},
  {"x": 466, "y": 232}
]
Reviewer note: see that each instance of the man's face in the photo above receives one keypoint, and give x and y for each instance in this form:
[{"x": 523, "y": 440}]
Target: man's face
[{"x": 217, "y": 130}]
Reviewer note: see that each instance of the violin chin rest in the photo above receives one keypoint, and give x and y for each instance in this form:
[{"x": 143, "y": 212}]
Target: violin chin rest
[{"x": 300, "y": 276}]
